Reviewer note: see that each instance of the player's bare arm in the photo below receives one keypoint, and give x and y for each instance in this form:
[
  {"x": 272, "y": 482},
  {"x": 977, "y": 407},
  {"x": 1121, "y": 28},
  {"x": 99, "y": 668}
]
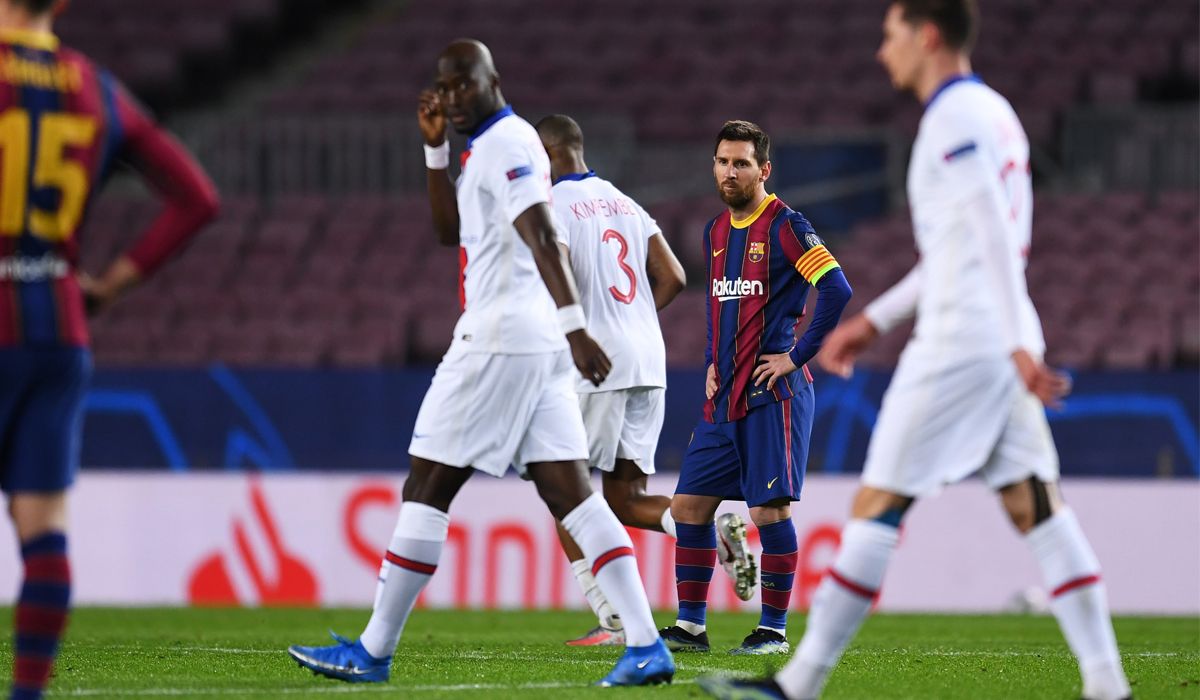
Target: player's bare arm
[
  {"x": 849, "y": 340},
  {"x": 1046, "y": 383},
  {"x": 537, "y": 230},
  {"x": 667, "y": 278},
  {"x": 843, "y": 346},
  {"x": 710, "y": 382},
  {"x": 431, "y": 119}
]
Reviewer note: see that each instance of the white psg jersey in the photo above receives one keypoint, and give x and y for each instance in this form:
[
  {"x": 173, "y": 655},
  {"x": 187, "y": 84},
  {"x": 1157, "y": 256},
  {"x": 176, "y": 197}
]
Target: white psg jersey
[
  {"x": 608, "y": 235},
  {"x": 971, "y": 196},
  {"x": 508, "y": 308}
]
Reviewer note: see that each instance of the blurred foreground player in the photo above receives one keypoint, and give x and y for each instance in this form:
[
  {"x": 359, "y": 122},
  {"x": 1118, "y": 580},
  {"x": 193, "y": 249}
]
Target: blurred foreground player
[
  {"x": 967, "y": 395},
  {"x": 626, "y": 272},
  {"x": 752, "y": 443},
  {"x": 63, "y": 124},
  {"x": 504, "y": 392}
]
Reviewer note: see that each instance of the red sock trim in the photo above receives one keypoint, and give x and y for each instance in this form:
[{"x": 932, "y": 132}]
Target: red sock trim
[
  {"x": 1075, "y": 583},
  {"x": 690, "y": 556},
  {"x": 852, "y": 586},
  {"x": 692, "y": 591},
  {"x": 615, "y": 553},
  {"x": 50, "y": 568},
  {"x": 411, "y": 565},
  {"x": 32, "y": 671},
  {"x": 779, "y": 563},
  {"x": 41, "y": 620}
]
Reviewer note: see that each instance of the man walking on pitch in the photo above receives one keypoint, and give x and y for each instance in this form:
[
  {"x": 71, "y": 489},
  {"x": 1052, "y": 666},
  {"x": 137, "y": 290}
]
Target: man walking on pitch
[
  {"x": 626, "y": 272},
  {"x": 967, "y": 395},
  {"x": 503, "y": 394},
  {"x": 752, "y": 443}
]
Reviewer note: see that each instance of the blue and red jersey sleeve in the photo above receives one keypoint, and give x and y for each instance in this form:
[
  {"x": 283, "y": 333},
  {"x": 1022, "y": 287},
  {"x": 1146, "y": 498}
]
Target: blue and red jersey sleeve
[
  {"x": 805, "y": 250},
  {"x": 189, "y": 197}
]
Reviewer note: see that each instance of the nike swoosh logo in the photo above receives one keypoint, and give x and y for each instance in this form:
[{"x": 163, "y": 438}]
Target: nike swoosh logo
[
  {"x": 644, "y": 664},
  {"x": 718, "y": 252},
  {"x": 772, "y": 482}
]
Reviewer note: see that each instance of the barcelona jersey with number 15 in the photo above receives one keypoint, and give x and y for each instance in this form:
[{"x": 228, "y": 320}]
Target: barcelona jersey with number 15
[{"x": 62, "y": 122}]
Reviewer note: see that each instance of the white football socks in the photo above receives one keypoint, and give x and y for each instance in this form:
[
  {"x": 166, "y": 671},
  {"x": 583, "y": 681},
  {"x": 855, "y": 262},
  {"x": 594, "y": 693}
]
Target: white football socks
[
  {"x": 604, "y": 542},
  {"x": 591, "y": 590},
  {"x": 1079, "y": 602},
  {"x": 839, "y": 606},
  {"x": 410, "y": 561},
  {"x": 595, "y": 598}
]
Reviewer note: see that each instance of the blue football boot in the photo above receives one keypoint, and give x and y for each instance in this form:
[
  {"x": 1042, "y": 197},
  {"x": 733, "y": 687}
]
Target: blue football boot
[
  {"x": 730, "y": 688},
  {"x": 346, "y": 661},
  {"x": 648, "y": 665}
]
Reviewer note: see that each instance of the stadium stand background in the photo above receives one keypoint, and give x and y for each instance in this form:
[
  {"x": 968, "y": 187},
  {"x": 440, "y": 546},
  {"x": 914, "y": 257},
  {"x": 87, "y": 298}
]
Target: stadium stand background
[{"x": 323, "y": 258}]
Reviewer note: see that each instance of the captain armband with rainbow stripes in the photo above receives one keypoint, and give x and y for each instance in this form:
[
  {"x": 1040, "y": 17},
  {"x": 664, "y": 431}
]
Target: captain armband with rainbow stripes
[{"x": 816, "y": 261}]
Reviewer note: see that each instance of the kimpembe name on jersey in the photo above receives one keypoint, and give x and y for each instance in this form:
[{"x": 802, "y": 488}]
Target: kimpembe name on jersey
[
  {"x": 725, "y": 289},
  {"x": 608, "y": 208}
]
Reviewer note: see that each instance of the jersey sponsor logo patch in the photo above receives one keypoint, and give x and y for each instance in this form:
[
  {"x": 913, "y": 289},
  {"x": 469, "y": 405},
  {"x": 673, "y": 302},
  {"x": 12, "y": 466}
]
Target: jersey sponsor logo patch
[
  {"x": 813, "y": 240},
  {"x": 756, "y": 251},
  {"x": 517, "y": 172},
  {"x": 960, "y": 151},
  {"x": 718, "y": 251},
  {"x": 725, "y": 289},
  {"x": 19, "y": 268}
]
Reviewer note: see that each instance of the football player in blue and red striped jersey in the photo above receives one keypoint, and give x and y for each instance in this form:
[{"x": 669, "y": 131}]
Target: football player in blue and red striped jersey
[
  {"x": 752, "y": 443},
  {"x": 63, "y": 123}
]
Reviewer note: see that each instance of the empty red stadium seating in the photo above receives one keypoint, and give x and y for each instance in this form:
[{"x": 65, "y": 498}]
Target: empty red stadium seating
[
  {"x": 567, "y": 56},
  {"x": 1113, "y": 276}
]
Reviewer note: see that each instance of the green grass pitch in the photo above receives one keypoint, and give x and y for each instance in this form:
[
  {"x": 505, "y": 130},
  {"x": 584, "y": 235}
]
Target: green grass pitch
[{"x": 196, "y": 653}]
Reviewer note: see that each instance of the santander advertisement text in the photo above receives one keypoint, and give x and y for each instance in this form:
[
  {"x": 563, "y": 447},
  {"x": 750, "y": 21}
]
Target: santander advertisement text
[{"x": 237, "y": 539}]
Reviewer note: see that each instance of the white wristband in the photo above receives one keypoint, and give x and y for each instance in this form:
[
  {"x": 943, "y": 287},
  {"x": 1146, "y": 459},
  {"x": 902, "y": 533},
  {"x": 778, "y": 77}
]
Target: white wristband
[
  {"x": 438, "y": 157},
  {"x": 571, "y": 319}
]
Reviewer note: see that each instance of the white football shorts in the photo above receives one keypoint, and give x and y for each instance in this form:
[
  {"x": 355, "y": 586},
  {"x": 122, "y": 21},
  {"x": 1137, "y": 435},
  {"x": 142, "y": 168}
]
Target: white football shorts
[
  {"x": 623, "y": 424},
  {"x": 942, "y": 422},
  {"x": 490, "y": 411}
]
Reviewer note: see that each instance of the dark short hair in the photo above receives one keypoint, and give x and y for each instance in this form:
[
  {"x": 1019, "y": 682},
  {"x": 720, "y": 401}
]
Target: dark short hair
[
  {"x": 957, "y": 20},
  {"x": 36, "y": 7},
  {"x": 560, "y": 129},
  {"x": 741, "y": 130}
]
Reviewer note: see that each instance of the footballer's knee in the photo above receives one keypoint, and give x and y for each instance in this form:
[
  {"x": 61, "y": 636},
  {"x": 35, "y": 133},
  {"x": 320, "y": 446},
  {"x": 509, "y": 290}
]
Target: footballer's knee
[
  {"x": 433, "y": 484},
  {"x": 35, "y": 514},
  {"x": 771, "y": 512},
  {"x": 882, "y": 506},
  {"x": 694, "y": 510},
  {"x": 1030, "y": 503},
  {"x": 561, "y": 485}
]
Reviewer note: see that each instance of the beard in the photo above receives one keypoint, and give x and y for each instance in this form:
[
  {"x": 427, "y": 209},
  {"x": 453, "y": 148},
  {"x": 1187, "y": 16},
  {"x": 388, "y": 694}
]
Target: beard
[{"x": 737, "y": 199}]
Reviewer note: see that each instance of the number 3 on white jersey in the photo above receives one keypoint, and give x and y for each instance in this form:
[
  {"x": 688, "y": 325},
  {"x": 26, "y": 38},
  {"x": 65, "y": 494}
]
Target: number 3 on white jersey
[{"x": 623, "y": 297}]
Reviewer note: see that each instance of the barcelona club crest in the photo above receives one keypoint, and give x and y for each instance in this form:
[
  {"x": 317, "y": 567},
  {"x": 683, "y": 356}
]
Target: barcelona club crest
[{"x": 757, "y": 250}]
